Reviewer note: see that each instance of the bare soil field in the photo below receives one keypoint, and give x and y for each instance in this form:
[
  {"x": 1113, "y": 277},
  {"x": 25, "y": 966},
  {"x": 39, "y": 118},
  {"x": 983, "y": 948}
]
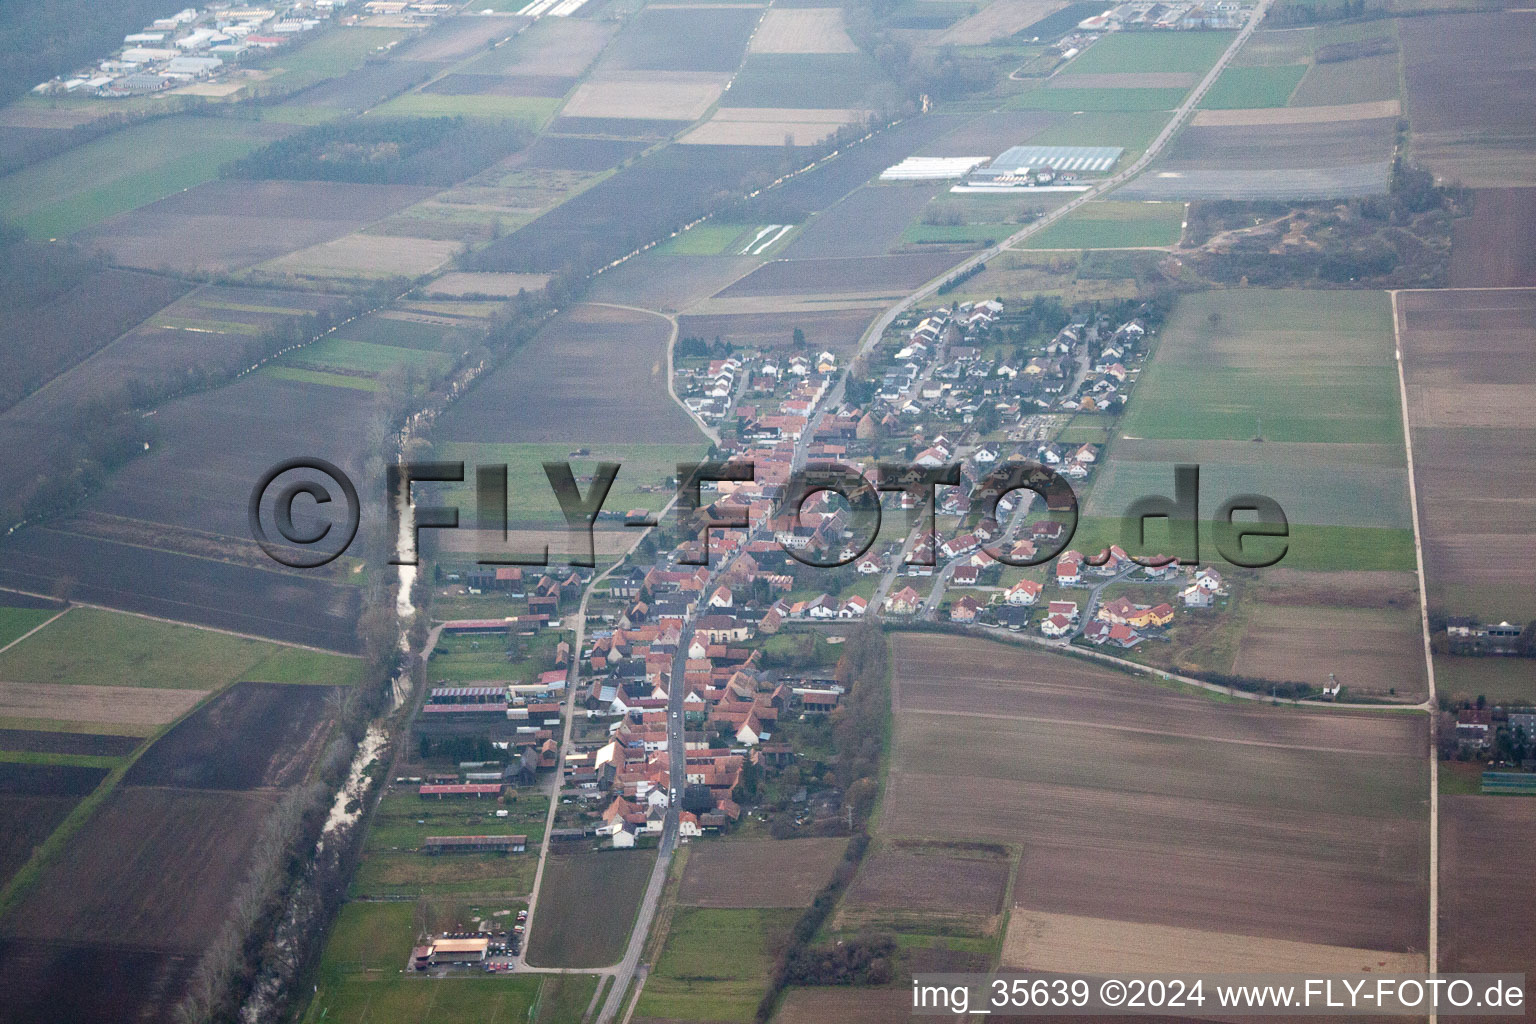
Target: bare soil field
[
  {"x": 946, "y": 882},
  {"x": 770, "y": 126},
  {"x": 647, "y": 95},
  {"x": 668, "y": 281},
  {"x": 89, "y": 743},
  {"x": 155, "y": 867},
  {"x": 759, "y": 872},
  {"x": 25, "y": 821},
  {"x": 1231, "y": 818},
  {"x": 594, "y": 375},
  {"x": 802, "y": 30},
  {"x": 837, "y": 330},
  {"x": 46, "y": 982},
  {"x": 251, "y": 736},
  {"x": 550, "y": 46},
  {"x": 1343, "y": 112},
  {"x": 1359, "y": 80},
  {"x": 682, "y": 39},
  {"x": 1371, "y": 651},
  {"x": 1486, "y": 853},
  {"x": 40, "y": 341},
  {"x": 1491, "y": 248},
  {"x": 197, "y": 230},
  {"x": 1470, "y": 88},
  {"x": 1284, "y": 144},
  {"x": 503, "y": 286},
  {"x": 845, "y": 1005},
  {"x": 128, "y": 705},
  {"x": 561, "y": 153},
  {"x": 366, "y": 256},
  {"x": 997, "y": 20},
  {"x": 460, "y": 84},
  {"x": 368, "y": 86},
  {"x": 867, "y": 223},
  {"x": 899, "y": 273},
  {"x": 1476, "y": 473},
  {"x": 454, "y": 39},
  {"x": 1068, "y": 944},
  {"x": 990, "y": 133}
]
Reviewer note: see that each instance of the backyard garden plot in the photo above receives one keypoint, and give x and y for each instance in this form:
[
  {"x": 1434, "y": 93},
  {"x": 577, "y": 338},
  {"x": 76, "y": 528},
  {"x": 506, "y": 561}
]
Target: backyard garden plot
[
  {"x": 1470, "y": 89},
  {"x": 802, "y": 30},
  {"x": 714, "y": 965},
  {"x": 650, "y": 95},
  {"x": 1466, "y": 361},
  {"x": 570, "y": 928},
  {"x": 755, "y": 873},
  {"x": 226, "y": 225},
  {"x": 125, "y": 170},
  {"x": 1223, "y": 819},
  {"x": 1113, "y": 224},
  {"x": 682, "y": 39}
]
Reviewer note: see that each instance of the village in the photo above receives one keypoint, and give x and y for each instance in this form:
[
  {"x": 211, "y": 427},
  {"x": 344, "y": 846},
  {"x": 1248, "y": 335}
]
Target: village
[{"x": 206, "y": 51}]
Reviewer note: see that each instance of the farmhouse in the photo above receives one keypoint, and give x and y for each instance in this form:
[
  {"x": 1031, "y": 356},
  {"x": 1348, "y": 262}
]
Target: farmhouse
[{"x": 451, "y": 950}]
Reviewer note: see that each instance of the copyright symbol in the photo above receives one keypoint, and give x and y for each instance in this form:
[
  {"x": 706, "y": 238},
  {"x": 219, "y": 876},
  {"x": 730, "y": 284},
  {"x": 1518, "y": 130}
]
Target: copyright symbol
[
  {"x": 1112, "y": 993},
  {"x": 313, "y": 531}
]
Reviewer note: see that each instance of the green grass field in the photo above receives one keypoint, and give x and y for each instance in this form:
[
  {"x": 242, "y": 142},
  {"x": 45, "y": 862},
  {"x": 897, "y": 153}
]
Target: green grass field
[
  {"x": 361, "y": 979},
  {"x": 1070, "y": 99},
  {"x": 1130, "y": 52},
  {"x": 90, "y": 645},
  {"x": 404, "y": 820},
  {"x": 1313, "y": 548},
  {"x": 16, "y": 622},
  {"x": 587, "y": 906},
  {"x": 327, "y": 56},
  {"x": 1111, "y": 224},
  {"x": 564, "y": 998},
  {"x": 334, "y": 380},
  {"x": 952, "y": 233},
  {"x": 1311, "y": 366},
  {"x": 1499, "y": 679},
  {"x": 1254, "y": 87},
  {"x": 532, "y": 110},
  {"x": 120, "y": 172},
  {"x": 722, "y": 239},
  {"x": 355, "y": 357},
  {"x": 715, "y": 964}
]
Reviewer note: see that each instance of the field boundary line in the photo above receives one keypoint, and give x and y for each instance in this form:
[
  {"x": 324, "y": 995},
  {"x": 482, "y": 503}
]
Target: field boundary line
[
  {"x": 181, "y": 622},
  {"x": 1143, "y": 731},
  {"x": 34, "y": 629},
  {"x": 1429, "y": 657}
]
